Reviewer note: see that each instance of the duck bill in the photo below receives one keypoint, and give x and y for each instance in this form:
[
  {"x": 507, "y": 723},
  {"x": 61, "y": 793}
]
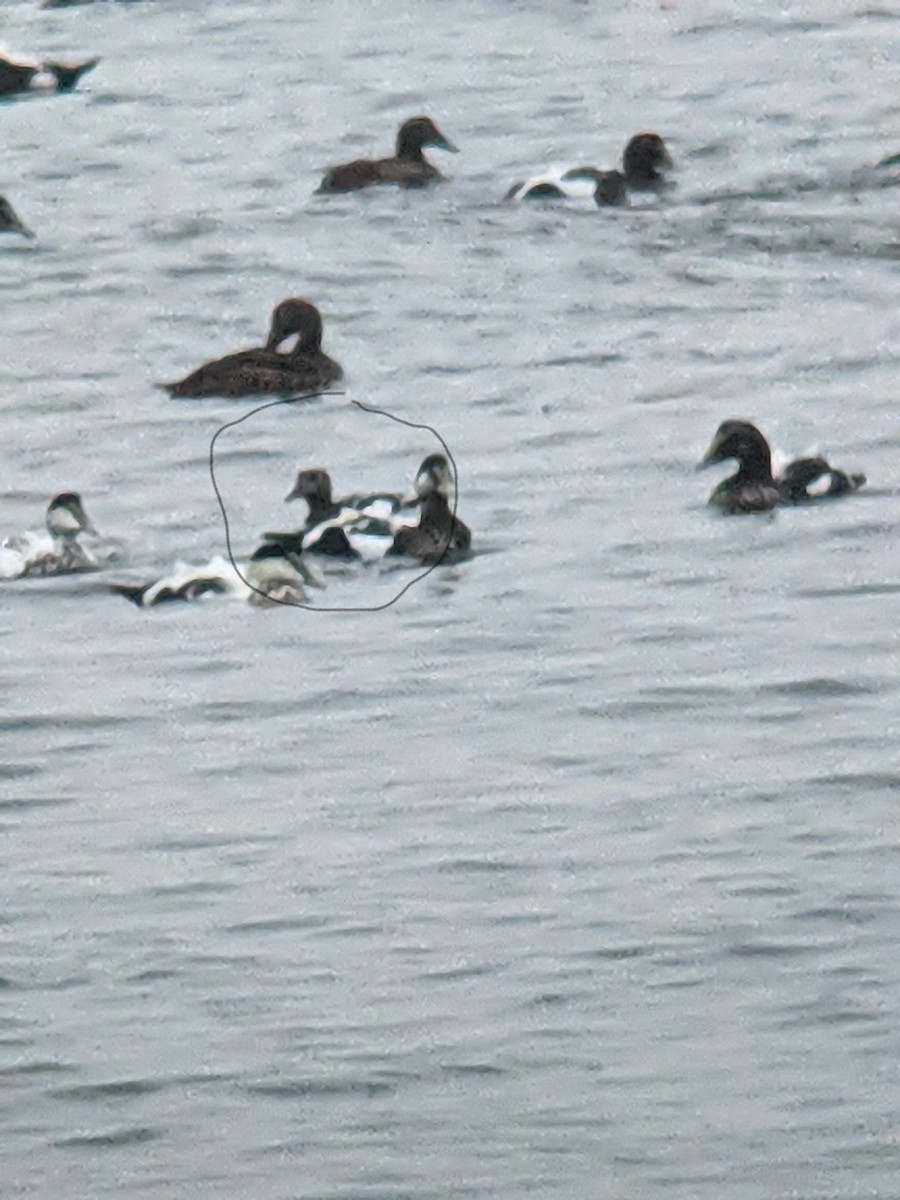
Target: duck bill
[
  {"x": 444, "y": 143},
  {"x": 709, "y": 459}
]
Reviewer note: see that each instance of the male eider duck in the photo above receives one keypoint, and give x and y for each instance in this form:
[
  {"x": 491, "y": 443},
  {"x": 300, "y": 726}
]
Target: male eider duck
[
  {"x": 644, "y": 163},
  {"x": 305, "y": 368},
  {"x": 348, "y": 527},
  {"x": 10, "y": 222},
  {"x": 754, "y": 488},
  {"x": 270, "y": 578},
  {"x": 17, "y": 77},
  {"x": 808, "y": 479},
  {"x": 33, "y": 553},
  {"x": 408, "y": 168},
  {"x": 439, "y": 537}
]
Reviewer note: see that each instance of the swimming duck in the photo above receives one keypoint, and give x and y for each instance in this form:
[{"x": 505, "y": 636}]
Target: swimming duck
[
  {"x": 274, "y": 578},
  {"x": 439, "y": 537},
  {"x": 752, "y": 489},
  {"x": 33, "y": 553},
  {"x": 349, "y": 527},
  {"x": 808, "y": 479},
  {"x": 305, "y": 368},
  {"x": 644, "y": 162},
  {"x": 408, "y": 168},
  {"x": 16, "y": 77},
  {"x": 10, "y": 222},
  {"x": 755, "y": 489}
]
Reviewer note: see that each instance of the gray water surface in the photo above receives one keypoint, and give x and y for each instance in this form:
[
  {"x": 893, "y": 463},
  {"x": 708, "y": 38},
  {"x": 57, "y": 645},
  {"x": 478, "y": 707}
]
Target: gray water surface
[{"x": 575, "y": 873}]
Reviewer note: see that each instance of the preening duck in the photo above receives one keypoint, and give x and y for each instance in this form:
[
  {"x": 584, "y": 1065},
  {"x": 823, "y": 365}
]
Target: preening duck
[
  {"x": 439, "y": 537},
  {"x": 644, "y": 163},
  {"x": 754, "y": 488},
  {"x": 408, "y": 168},
  {"x": 34, "y": 553},
  {"x": 271, "y": 578},
  {"x": 10, "y": 222},
  {"x": 18, "y": 77},
  {"x": 267, "y": 369}
]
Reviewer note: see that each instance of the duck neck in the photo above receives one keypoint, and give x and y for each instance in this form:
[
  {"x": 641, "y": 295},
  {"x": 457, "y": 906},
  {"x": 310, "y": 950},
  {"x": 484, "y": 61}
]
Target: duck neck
[
  {"x": 754, "y": 464},
  {"x": 321, "y": 504},
  {"x": 409, "y": 148},
  {"x": 436, "y": 513}
]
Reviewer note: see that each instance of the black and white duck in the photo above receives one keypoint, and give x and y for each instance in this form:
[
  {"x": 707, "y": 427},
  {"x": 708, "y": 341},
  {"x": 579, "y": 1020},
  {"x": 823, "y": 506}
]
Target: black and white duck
[
  {"x": 58, "y": 549},
  {"x": 271, "y": 577},
  {"x": 353, "y": 527},
  {"x": 644, "y": 164},
  {"x": 302, "y": 369},
  {"x": 19, "y": 77}
]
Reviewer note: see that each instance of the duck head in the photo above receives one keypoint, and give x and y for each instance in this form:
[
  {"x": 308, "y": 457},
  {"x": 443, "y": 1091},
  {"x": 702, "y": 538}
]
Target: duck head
[
  {"x": 434, "y": 476},
  {"x": 296, "y": 316},
  {"x": 312, "y": 485},
  {"x": 418, "y": 132},
  {"x": 645, "y": 159},
  {"x": 66, "y": 516},
  {"x": 741, "y": 441},
  {"x": 10, "y": 221}
]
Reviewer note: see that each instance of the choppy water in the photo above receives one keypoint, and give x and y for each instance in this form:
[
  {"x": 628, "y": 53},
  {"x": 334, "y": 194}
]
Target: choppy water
[{"x": 576, "y": 873}]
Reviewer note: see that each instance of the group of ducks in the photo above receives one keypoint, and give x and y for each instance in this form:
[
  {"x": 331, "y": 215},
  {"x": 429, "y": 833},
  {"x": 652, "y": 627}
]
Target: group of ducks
[
  {"x": 350, "y": 528},
  {"x": 293, "y": 363}
]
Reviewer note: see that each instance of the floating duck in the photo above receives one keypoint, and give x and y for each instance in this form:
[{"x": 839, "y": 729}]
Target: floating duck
[
  {"x": 408, "y": 168},
  {"x": 808, "y": 479},
  {"x": 57, "y": 551},
  {"x": 439, "y": 537},
  {"x": 754, "y": 488},
  {"x": 271, "y": 577},
  {"x": 10, "y": 222},
  {"x": 18, "y": 77},
  {"x": 303, "y": 369},
  {"x": 352, "y": 527},
  {"x": 644, "y": 162}
]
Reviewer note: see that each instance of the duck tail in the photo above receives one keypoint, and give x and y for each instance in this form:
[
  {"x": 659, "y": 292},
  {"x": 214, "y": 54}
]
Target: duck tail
[{"x": 67, "y": 76}]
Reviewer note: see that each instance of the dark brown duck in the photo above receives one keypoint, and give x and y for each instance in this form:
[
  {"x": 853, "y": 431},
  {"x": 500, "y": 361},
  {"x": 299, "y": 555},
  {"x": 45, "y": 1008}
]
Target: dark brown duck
[
  {"x": 268, "y": 370},
  {"x": 752, "y": 489},
  {"x": 408, "y": 168},
  {"x": 439, "y": 537},
  {"x": 755, "y": 489}
]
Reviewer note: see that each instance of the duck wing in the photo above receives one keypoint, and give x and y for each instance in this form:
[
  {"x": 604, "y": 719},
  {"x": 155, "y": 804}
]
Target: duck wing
[
  {"x": 351, "y": 176},
  {"x": 255, "y": 373}
]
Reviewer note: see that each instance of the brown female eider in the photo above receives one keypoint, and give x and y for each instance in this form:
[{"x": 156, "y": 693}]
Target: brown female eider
[
  {"x": 439, "y": 537},
  {"x": 265, "y": 370},
  {"x": 408, "y": 168}
]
